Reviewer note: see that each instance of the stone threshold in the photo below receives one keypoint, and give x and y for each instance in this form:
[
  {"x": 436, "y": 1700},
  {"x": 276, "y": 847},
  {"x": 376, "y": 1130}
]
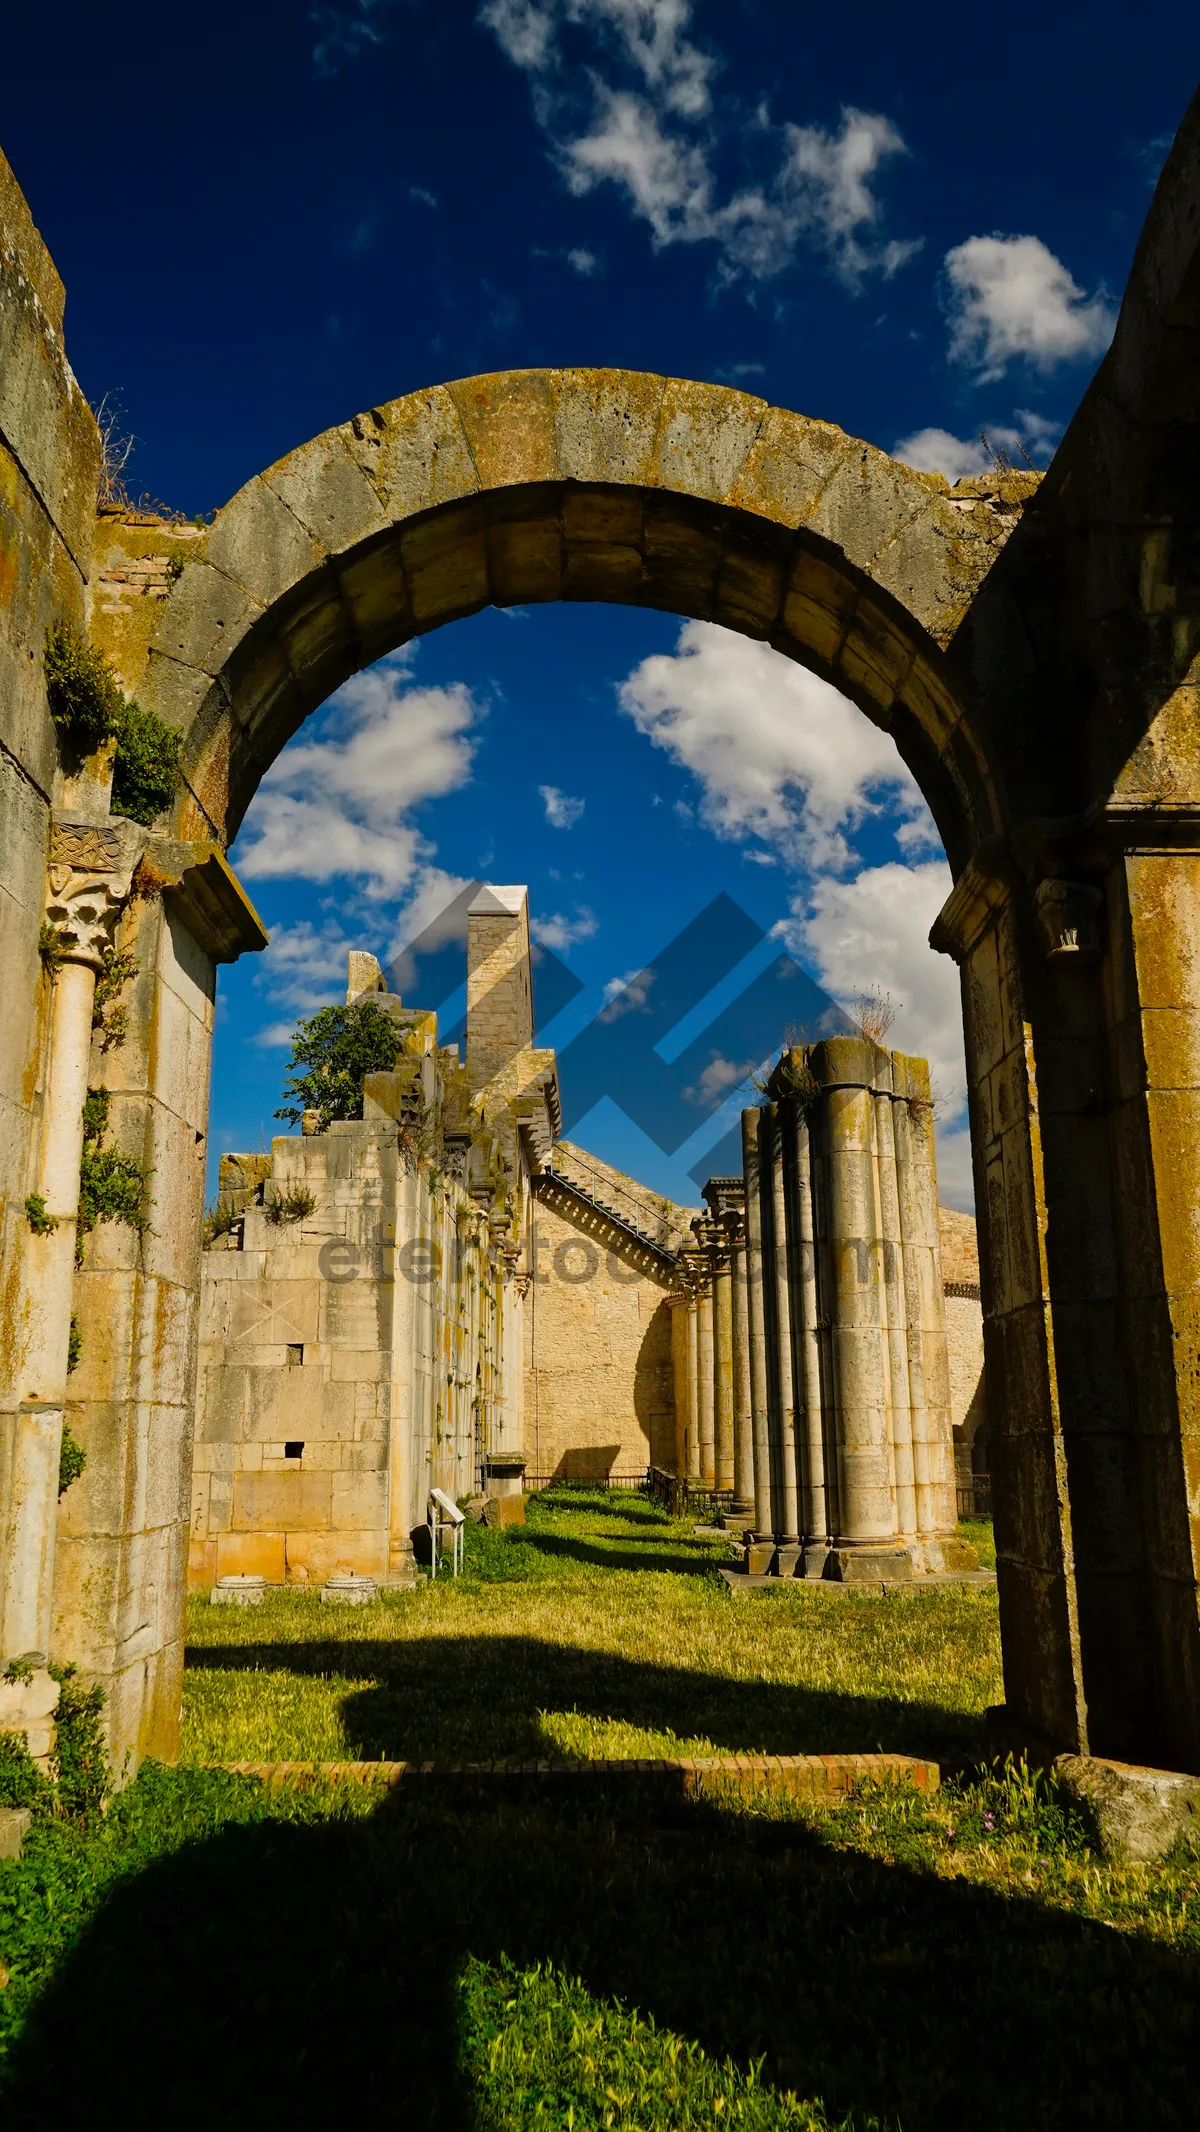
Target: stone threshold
[
  {"x": 741, "y": 1580},
  {"x": 813, "y": 1776}
]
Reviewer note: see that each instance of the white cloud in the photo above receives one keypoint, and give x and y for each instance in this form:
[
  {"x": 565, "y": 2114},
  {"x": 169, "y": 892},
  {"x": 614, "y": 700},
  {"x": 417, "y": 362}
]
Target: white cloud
[
  {"x": 1010, "y": 297},
  {"x": 938, "y": 451},
  {"x": 560, "y": 933},
  {"x": 339, "y": 805},
  {"x": 828, "y": 178},
  {"x": 562, "y": 812},
  {"x": 581, "y": 260},
  {"x": 872, "y": 932},
  {"x": 779, "y": 754},
  {"x": 419, "y": 192},
  {"x": 718, "y": 1077},
  {"x": 653, "y": 134}
]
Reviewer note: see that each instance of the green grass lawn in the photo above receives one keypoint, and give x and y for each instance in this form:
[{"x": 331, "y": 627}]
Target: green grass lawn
[
  {"x": 600, "y": 1628},
  {"x": 215, "y": 1953}
]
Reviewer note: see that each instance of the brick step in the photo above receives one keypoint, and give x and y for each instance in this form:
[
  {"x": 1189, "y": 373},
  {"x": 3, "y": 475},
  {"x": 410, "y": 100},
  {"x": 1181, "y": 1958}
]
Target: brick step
[{"x": 813, "y": 1776}]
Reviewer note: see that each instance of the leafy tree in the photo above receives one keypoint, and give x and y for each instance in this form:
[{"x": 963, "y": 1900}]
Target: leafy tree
[{"x": 333, "y": 1051}]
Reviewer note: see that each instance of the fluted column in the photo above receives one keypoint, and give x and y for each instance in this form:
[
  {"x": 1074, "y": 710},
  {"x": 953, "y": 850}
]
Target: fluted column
[
  {"x": 782, "y": 1407},
  {"x": 894, "y": 1299},
  {"x": 705, "y": 1387},
  {"x": 845, "y": 1067},
  {"x": 808, "y": 1342},
  {"x": 81, "y": 913},
  {"x": 720, "y": 1261},
  {"x": 743, "y": 1437},
  {"x": 756, "y": 1321}
]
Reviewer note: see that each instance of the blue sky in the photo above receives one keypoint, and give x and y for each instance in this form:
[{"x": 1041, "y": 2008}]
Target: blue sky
[{"x": 915, "y": 223}]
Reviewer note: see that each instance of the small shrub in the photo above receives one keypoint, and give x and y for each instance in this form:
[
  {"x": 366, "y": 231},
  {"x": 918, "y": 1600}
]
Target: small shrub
[
  {"x": 147, "y": 765},
  {"x": 112, "y": 1186},
  {"x": 80, "y": 1755},
  {"x": 83, "y": 691},
  {"x": 52, "y": 946},
  {"x": 72, "y": 1458},
  {"x": 872, "y": 1014},
  {"x": 333, "y": 1051},
  {"x": 74, "y": 1348},
  {"x": 219, "y": 1221},
  {"x": 293, "y": 1205},
  {"x": 21, "y": 1781},
  {"x": 176, "y": 565},
  {"x": 40, "y": 1222},
  {"x": 118, "y": 967}
]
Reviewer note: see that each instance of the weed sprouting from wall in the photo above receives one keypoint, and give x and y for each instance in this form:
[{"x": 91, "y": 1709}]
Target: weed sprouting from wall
[
  {"x": 872, "y": 1014},
  {"x": 294, "y": 1205},
  {"x": 118, "y": 967},
  {"x": 112, "y": 1185},
  {"x": 40, "y": 1222},
  {"x": 221, "y": 1220},
  {"x": 71, "y": 1459},
  {"x": 89, "y": 706},
  {"x": 74, "y": 1347}
]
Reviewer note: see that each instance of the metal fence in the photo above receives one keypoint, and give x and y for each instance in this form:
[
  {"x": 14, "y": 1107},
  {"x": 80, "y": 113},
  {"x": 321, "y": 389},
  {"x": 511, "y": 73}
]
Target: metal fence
[
  {"x": 686, "y": 1498},
  {"x": 637, "y": 1481},
  {"x": 975, "y": 1496}
]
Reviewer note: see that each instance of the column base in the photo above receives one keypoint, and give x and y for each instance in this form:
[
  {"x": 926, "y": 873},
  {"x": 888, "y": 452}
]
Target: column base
[
  {"x": 944, "y": 1555},
  {"x": 759, "y": 1556},
  {"x": 867, "y": 1565},
  {"x": 789, "y": 1559},
  {"x": 816, "y": 1555}
]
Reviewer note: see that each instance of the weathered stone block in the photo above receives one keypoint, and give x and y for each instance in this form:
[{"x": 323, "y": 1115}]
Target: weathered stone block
[{"x": 1141, "y": 1813}]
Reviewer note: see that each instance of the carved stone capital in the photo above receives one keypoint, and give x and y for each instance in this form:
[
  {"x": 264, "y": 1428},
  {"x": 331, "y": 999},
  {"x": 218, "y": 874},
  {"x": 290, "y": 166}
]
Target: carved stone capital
[
  {"x": 90, "y": 872},
  {"x": 1068, "y": 917}
]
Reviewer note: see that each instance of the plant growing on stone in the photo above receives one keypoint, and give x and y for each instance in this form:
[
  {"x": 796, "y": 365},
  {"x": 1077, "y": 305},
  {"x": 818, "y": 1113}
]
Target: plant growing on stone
[
  {"x": 112, "y": 1185},
  {"x": 333, "y": 1051},
  {"x": 872, "y": 1014},
  {"x": 40, "y": 1222},
  {"x": 283, "y": 1208},
  {"x": 118, "y": 967},
  {"x": 21, "y": 1781},
  {"x": 80, "y": 1754},
  {"x": 83, "y": 691},
  {"x": 72, "y": 1458},
  {"x": 147, "y": 764},
  {"x": 89, "y": 706},
  {"x": 52, "y": 947},
  {"x": 220, "y": 1220},
  {"x": 74, "y": 1345}
]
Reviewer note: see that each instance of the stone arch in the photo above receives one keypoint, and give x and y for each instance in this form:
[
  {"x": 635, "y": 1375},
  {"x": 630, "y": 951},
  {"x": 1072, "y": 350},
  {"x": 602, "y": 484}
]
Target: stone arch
[{"x": 530, "y": 486}]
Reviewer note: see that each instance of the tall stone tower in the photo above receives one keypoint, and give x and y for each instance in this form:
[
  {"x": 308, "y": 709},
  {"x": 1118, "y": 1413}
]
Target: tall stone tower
[{"x": 499, "y": 983}]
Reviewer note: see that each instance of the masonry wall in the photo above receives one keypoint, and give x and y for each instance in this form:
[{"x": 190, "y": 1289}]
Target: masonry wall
[
  {"x": 964, "y": 1336},
  {"x": 599, "y": 1390},
  {"x": 49, "y": 462}
]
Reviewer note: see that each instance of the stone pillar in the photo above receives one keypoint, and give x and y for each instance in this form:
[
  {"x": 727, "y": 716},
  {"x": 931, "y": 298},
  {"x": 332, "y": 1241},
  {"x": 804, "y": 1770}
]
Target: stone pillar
[
  {"x": 705, "y": 1386},
  {"x": 807, "y": 1312},
  {"x": 782, "y": 1394},
  {"x": 845, "y": 1068},
  {"x": 679, "y": 1371},
  {"x": 887, "y": 1098},
  {"x": 693, "y": 1365},
  {"x": 720, "y": 1260},
  {"x": 928, "y": 1361},
  {"x": 82, "y": 909},
  {"x": 743, "y": 1434},
  {"x": 752, "y": 1121}
]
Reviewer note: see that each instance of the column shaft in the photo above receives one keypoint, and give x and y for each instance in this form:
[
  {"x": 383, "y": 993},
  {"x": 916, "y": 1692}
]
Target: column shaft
[
  {"x": 783, "y": 1405},
  {"x": 743, "y": 1435},
  {"x": 804, "y": 1288},
  {"x": 756, "y": 1322},
  {"x": 705, "y": 1384}
]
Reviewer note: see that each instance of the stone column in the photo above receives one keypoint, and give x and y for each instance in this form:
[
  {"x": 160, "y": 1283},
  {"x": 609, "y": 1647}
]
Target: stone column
[
  {"x": 722, "y": 1291},
  {"x": 705, "y": 1386},
  {"x": 845, "y": 1068},
  {"x": 680, "y": 1315},
  {"x": 805, "y": 1293},
  {"x": 693, "y": 1365},
  {"x": 756, "y": 1322},
  {"x": 887, "y": 1099},
  {"x": 82, "y": 908},
  {"x": 783, "y": 1396},
  {"x": 743, "y": 1438},
  {"x": 928, "y": 1367}
]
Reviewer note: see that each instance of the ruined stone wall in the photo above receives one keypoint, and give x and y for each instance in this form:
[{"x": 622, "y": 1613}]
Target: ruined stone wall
[
  {"x": 964, "y": 1332},
  {"x": 49, "y": 462},
  {"x": 600, "y": 1388}
]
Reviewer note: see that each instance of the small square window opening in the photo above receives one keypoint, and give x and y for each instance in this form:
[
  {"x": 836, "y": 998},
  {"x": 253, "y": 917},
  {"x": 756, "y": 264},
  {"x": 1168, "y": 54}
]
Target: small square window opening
[{"x": 293, "y": 1450}]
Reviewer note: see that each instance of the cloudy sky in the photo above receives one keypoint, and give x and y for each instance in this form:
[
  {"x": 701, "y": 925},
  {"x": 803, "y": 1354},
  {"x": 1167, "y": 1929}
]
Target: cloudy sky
[{"x": 915, "y": 223}]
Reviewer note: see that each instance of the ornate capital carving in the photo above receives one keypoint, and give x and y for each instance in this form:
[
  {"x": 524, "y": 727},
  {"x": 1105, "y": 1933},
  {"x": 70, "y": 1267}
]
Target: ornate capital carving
[
  {"x": 91, "y": 868},
  {"x": 1068, "y": 916}
]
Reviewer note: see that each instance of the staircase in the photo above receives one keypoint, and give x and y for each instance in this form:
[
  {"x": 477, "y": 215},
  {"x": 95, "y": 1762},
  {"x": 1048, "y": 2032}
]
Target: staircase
[{"x": 632, "y": 1218}]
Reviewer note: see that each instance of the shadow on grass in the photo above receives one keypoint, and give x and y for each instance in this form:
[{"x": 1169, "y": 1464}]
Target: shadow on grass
[
  {"x": 471, "y": 1698},
  {"x": 695, "y": 1558},
  {"x": 275, "y": 1974}
]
